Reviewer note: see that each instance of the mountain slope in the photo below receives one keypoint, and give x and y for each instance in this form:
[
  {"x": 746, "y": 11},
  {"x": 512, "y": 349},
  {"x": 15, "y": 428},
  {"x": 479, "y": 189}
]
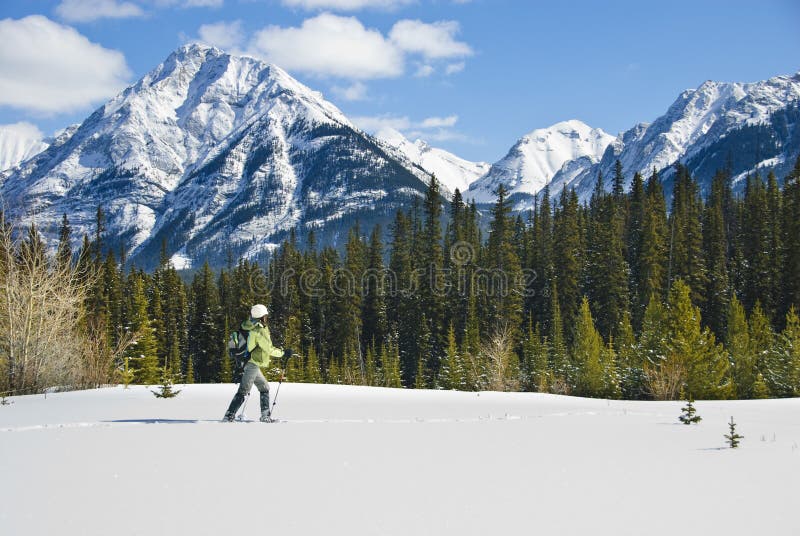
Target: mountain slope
[
  {"x": 211, "y": 152},
  {"x": 537, "y": 157},
  {"x": 18, "y": 142},
  {"x": 703, "y": 128},
  {"x": 451, "y": 171}
]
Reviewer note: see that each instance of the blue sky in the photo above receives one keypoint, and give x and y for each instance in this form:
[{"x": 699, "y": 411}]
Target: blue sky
[{"x": 470, "y": 76}]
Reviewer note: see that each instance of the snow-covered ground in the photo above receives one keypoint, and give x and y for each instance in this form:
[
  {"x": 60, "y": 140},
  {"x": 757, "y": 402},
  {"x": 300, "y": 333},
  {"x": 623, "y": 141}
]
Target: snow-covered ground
[{"x": 356, "y": 460}]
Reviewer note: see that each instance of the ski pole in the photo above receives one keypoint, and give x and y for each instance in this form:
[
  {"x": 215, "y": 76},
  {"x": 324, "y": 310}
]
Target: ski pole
[{"x": 278, "y": 389}]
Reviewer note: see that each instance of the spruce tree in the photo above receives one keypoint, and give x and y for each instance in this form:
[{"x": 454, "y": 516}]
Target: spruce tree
[
  {"x": 606, "y": 269},
  {"x": 145, "y": 349},
  {"x": 689, "y": 413},
  {"x": 790, "y": 348},
  {"x": 755, "y": 244},
  {"x": 718, "y": 290},
  {"x": 695, "y": 348},
  {"x": 204, "y": 326},
  {"x": 568, "y": 257},
  {"x": 740, "y": 351},
  {"x": 391, "y": 366},
  {"x": 587, "y": 355},
  {"x": 791, "y": 239},
  {"x": 64, "y": 252},
  {"x": 563, "y": 371},
  {"x": 686, "y": 258},
  {"x": 732, "y": 436},
  {"x": 374, "y": 320},
  {"x": 650, "y": 266},
  {"x": 451, "y": 375},
  {"x": 311, "y": 369}
]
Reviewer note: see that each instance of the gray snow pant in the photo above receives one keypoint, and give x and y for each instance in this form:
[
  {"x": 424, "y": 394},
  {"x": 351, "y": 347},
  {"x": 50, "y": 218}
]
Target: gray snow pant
[{"x": 252, "y": 374}]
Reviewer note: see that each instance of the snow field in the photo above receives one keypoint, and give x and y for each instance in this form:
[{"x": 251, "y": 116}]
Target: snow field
[{"x": 358, "y": 460}]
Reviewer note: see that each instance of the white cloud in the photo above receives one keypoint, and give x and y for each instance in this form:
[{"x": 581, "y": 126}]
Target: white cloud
[
  {"x": 402, "y": 123},
  {"x": 188, "y": 3},
  {"x": 437, "y": 122},
  {"x": 47, "y": 67},
  {"x": 454, "y": 68},
  {"x": 89, "y": 10},
  {"x": 330, "y": 45},
  {"x": 424, "y": 70},
  {"x": 435, "y": 40},
  {"x": 354, "y": 92},
  {"x": 228, "y": 36},
  {"x": 345, "y": 5},
  {"x": 433, "y": 128},
  {"x": 203, "y": 3}
]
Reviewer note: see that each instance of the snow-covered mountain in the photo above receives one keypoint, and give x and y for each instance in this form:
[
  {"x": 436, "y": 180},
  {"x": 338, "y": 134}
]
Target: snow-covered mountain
[
  {"x": 19, "y": 142},
  {"x": 746, "y": 125},
  {"x": 211, "y": 153},
  {"x": 451, "y": 171},
  {"x": 535, "y": 159}
]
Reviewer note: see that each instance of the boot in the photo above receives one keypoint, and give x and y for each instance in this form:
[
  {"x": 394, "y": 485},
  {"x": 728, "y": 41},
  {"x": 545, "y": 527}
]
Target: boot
[
  {"x": 265, "y": 412},
  {"x": 238, "y": 398}
]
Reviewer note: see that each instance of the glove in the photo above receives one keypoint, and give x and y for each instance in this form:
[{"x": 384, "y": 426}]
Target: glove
[{"x": 287, "y": 353}]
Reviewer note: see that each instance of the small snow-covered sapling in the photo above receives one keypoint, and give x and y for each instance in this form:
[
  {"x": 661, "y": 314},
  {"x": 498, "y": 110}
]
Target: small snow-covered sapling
[
  {"x": 733, "y": 437},
  {"x": 689, "y": 415}
]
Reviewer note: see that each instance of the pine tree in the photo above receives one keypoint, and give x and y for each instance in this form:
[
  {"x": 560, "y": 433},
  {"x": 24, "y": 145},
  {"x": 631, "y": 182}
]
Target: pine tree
[
  {"x": 762, "y": 342},
  {"x": 370, "y": 368},
  {"x": 742, "y": 358},
  {"x": 165, "y": 389},
  {"x": 686, "y": 258},
  {"x": 374, "y": 319},
  {"x": 535, "y": 368},
  {"x": 791, "y": 239},
  {"x": 718, "y": 290},
  {"x": 732, "y": 436},
  {"x": 190, "y": 370},
  {"x": 391, "y": 366},
  {"x": 606, "y": 279},
  {"x": 451, "y": 375},
  {"x": 311, "y": 369},
  {"x": 689, "y": 413},
  {"x": 126, "y": 373},
  {"x": 755, "y": 245},
  {"x": 650, "y": 266},
  {"x": 694, "y": 348},
  {"x": 204, "y": 325},
  {"x": 630, "y": 361},
  {"x": 64, "y": 252},
  {"x": 505, "y": 286},
  {"x": 568, "y": 258},
  {"x": 586, "y": 353},
  {"x": 760, "y": 388},
  {"x": 432, "y": 282},
  {"x": 145, "y": 349},
  {"x": 563, "y": 373}
]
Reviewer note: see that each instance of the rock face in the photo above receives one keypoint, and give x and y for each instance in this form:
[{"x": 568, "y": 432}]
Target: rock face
[{"x": 213, "y": 154}]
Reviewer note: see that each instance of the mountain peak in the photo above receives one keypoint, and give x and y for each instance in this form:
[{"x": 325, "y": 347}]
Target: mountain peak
[
  {"x": 211, "y": 148},
  {"x": 536, "y": 157}
]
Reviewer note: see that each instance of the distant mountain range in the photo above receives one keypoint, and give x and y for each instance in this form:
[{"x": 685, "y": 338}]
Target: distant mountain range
[{"x": 218, "y": 155}]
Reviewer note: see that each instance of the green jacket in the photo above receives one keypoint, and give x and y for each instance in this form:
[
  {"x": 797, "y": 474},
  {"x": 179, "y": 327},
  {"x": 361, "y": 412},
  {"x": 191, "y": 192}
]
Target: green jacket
[{"x": 259, "y": 343}]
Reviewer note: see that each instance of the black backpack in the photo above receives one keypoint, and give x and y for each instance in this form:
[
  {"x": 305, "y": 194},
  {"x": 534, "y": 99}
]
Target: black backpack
[{"x": 237, "y": 348}]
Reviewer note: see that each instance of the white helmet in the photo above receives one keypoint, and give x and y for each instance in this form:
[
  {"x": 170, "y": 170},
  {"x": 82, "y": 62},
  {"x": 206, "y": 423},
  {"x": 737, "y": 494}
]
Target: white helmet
[{"x": 259, "y": 311}]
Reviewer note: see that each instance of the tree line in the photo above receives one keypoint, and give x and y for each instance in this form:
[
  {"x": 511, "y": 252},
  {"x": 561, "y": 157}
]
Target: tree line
[{"x": 630, "y": 295}]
